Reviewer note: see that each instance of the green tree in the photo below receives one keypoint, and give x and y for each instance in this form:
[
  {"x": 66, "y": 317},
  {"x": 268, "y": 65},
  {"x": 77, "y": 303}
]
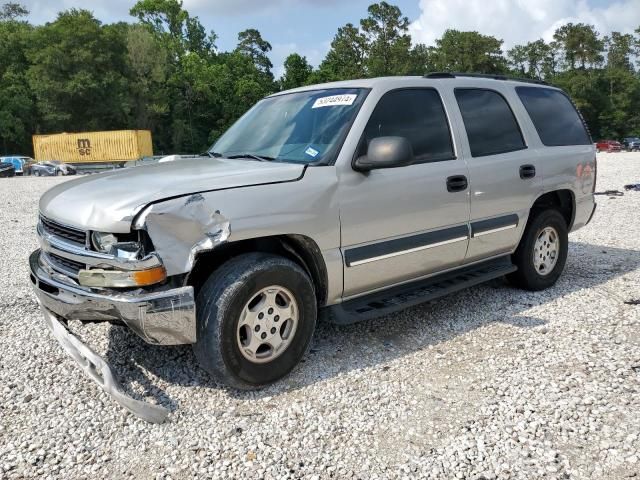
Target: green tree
[
  {"x": 346, "y": 57},
  {"x": 388, "y": 41},
  {"x": 580, "y": 44},
  {"x": 162, "y": 15},
  {"x": 17, "y": 108},
  {"x": 620, "y": 48},
  {"x": 12, "y": 11},
  {"x": 181, "y": 32},
  {"x": 587, "y": 92},
  {"x": 535, "y": 59},
  {"x": 251, "y": 44},
  {"x": 148, "y": 72},
  {"x": 296, "y": 72},
  {"x": 618, "y": 116},
  {"x": 164, "y": 72},
  {"x": 236, "y": 84},
  {"x": 420, "y": 61},
  {"x": 636, "y": 45},
  {"x": 77, "y": 74},
  {"x": 460, "y": 51}
]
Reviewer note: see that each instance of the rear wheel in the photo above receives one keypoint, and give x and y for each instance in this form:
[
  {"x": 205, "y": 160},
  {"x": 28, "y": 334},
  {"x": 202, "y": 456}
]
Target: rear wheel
[
  {"x": 256, "y": 317},
  {"x": 542, "y": 253}
]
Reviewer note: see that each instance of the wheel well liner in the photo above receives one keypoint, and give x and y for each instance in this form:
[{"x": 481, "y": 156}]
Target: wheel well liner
[
  {"x": 563, "y": 200},
  {"x": 298, "y": 248}
]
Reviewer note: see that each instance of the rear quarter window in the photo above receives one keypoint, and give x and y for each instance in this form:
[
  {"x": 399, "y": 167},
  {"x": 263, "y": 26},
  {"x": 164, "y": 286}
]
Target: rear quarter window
[{"x": 557, "y": 121}]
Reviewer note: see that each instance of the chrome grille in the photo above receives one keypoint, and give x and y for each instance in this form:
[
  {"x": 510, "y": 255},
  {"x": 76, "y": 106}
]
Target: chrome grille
[
  {"x": 64, "y": 265},
  {"x": 73, "y": 235}
]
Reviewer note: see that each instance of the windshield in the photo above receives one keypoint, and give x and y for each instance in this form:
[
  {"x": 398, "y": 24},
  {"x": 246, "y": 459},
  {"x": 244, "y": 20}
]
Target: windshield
[{"x": 300, "y": 127}]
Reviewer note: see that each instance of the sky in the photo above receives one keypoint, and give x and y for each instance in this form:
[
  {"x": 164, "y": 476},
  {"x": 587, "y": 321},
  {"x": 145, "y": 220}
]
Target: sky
[{"x": 308, "y": 26}]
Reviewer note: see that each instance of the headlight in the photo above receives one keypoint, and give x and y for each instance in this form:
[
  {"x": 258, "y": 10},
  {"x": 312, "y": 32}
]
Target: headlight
[{"x": 103, "y": 242}]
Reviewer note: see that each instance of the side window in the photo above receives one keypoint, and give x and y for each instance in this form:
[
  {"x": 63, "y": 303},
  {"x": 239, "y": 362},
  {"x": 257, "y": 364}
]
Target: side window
[
  {"x": 418, "y": 115},
  {"x": 490, "y": 123},
  {"x": 557, "y": 121}
]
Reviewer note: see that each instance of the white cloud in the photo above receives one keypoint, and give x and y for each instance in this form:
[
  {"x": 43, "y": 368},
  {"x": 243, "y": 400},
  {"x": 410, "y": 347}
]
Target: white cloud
[{"x": 520, "y": 21}]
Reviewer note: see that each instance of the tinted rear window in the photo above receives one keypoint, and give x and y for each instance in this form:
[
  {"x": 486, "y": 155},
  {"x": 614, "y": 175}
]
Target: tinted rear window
[
  {"x": 489, "y": 121},
  {"x": 554, "y": 116}
]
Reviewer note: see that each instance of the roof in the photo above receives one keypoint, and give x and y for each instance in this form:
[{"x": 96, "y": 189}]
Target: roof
[{"x": 429, "y": 79}]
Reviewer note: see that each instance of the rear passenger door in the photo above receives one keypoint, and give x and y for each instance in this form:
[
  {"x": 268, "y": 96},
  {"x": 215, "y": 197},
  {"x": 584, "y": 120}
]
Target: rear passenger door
[{"x": 505, "y": 175}]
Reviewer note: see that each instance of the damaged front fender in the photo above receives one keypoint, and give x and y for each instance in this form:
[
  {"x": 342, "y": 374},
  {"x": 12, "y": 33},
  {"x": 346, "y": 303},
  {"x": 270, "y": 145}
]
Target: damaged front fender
[{"x": 181, "y": 228}]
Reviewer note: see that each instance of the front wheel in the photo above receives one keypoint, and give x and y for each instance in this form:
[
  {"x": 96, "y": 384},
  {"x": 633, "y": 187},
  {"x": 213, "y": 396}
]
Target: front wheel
[
  {"x": 542, "y": 252},
  {"x": 256, "y": 315}
]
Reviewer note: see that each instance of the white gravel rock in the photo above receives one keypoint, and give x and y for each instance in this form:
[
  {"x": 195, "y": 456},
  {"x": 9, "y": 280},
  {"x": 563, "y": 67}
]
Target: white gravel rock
[{"x": 489, "y": 383}]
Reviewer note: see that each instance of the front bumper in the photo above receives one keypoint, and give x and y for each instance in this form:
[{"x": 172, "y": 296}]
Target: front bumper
[
  {"x": 164, "y": 317},
  {"x": 99, "y": 371}
]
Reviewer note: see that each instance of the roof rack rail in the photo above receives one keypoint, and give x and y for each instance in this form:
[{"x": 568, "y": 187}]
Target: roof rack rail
[{"x": 483, "y": 75}]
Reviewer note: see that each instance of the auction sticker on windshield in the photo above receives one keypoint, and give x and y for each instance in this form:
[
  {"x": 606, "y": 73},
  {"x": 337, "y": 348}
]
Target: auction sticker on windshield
[{"x": 333, "y": 100}]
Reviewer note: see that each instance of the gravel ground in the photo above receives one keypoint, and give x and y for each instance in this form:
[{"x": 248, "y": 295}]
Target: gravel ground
[{"x": 491, "y": 382}]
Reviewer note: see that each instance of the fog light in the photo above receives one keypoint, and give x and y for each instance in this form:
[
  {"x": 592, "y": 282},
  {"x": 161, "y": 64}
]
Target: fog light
[{"x": 121, "y": 278}]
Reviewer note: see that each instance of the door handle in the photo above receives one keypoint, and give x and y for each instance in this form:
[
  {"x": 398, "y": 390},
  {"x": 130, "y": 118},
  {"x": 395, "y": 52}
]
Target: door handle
[
  {"x": 527, "y": 171},
  {"x": 457, "y": 183}
]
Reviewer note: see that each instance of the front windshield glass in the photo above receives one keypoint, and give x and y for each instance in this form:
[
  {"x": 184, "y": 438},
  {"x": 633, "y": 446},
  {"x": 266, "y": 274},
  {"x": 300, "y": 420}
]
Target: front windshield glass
[{"x": 300, "y": 127}]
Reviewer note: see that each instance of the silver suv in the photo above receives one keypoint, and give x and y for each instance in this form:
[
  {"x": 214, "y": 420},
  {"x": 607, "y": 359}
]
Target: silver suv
[{"x": 351, "y": 200}]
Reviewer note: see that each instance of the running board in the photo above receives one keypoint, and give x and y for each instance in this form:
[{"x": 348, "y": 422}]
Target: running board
[{"x": 410, "y": 294}]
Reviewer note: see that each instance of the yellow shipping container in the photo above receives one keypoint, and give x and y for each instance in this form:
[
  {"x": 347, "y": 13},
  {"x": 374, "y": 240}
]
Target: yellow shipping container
[{"x": 94, "y": 147}]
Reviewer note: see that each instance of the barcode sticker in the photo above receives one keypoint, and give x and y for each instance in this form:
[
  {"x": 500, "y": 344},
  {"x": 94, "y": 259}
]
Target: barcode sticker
[{"x": 334, "y": 100}]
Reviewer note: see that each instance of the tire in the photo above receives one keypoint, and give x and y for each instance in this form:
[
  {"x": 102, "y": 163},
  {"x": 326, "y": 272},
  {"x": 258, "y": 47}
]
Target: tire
[
  {"x": 224, "y": 299},
  {"x": 532, "y": 277}
]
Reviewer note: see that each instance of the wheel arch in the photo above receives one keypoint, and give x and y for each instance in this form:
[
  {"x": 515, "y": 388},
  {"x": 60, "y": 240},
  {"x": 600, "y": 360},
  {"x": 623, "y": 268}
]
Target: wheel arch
[
  {"x": 300, "y": 249},
  {"x": 564, "y": 200}
]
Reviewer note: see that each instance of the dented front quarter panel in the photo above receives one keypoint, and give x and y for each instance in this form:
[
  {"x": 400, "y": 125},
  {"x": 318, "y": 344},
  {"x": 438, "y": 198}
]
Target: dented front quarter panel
[{"x": 183, "y": 227}]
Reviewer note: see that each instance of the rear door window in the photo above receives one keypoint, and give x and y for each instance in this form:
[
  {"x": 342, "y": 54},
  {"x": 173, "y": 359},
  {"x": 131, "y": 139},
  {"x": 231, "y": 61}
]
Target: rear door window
[
  {"x": 490, "y": 124},
  {"x": 556, "y": 119},
  {"x": 418, "y": 115}
]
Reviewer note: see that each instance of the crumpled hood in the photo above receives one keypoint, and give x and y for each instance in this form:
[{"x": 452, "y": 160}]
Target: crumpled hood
[{"x": 109, "y": 201}]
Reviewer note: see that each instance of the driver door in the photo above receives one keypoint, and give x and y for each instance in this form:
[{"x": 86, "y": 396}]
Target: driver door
[{"x": 400, "y": 224}]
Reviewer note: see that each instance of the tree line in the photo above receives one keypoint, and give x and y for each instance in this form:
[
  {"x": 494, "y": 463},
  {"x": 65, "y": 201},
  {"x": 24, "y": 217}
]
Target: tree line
[{"x": 164, "y": 72}]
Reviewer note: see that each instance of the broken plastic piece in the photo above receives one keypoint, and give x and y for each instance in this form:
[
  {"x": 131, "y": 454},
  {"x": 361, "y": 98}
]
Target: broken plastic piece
[
  {"x": 100, "y": 371},
  {"x": 610, "y": 193}
]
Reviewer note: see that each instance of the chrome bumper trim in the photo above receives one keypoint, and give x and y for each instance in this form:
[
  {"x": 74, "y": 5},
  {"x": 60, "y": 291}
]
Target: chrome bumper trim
[
  {"x": 160, "y": 318},
  {"x": 96, "y": 368}
]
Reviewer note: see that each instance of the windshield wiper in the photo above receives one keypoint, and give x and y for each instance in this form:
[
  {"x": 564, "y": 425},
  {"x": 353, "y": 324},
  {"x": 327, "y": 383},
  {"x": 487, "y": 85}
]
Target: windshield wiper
[
  {"x": 260, "y": 158},
  {"x": 211, "y": 154}
]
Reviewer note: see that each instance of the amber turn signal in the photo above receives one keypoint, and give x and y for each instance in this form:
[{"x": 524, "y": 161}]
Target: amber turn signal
[{"x": 121, "y": 278}]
